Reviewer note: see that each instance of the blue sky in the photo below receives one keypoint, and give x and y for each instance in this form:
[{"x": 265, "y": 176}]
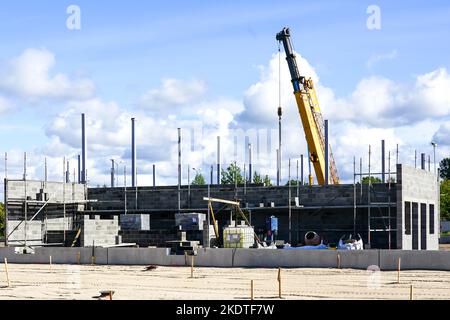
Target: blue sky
[{"x": 127, "y": 47}]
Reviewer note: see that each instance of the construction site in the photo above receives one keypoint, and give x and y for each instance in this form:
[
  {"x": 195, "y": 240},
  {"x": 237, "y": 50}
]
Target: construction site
[{"x": 320, "y": 222}]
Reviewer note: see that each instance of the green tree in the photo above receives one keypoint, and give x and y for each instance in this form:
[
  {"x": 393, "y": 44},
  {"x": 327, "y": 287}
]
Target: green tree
[
  {"x": 232, "y": 174},
  {"x": 267, "y": 181},
  {"x": 294, "y": 183},
  {"x": 2, "y": 220},
  {"x": 444, "y": 167},
  {"x": 445, "y": 200},
  {"x": 257, "y": 178},
  {"x": 365, "y": 180},
  {"x": 199, "y": 180}
]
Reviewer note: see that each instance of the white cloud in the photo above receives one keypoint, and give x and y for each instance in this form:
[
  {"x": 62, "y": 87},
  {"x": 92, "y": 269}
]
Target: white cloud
[
  {"x": 442, "y": 136},
  {"x": 173, "y": 93},
  {"x": 381, "y": 102},
  {"x": 378, "y": 108},
  {"x": 29, "y": 76},
  {"x": 261, "y": 100},
  {"x": 376, "y": 58},
  {"x": 109, "y": 135},
  {"x": 5, "y": 105}
]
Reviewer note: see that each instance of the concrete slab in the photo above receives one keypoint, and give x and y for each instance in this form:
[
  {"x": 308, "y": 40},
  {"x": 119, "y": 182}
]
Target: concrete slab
[
  {"x": 209, "y": 257},
  {"x": 415, "y": 260},
  {"x": 358, "y": 259}
]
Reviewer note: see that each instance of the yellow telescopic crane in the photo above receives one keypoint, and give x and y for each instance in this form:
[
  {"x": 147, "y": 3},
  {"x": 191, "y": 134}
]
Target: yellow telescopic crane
[{"x": 310, "y": 114}]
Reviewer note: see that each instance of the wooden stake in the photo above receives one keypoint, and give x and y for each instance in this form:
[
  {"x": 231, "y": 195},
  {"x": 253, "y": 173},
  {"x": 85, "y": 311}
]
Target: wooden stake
[
  {"x": 7, "y": 274},
  {"x": 339, "y": 261},
  {"x": 50, "y": 259},
  {"x": 279, "y": 283},
  {"x": 110, "y": 295},
  {"x": 398, "y": 269},
  {"x": 79, "y": 257},
  {"x": 411, "y": 293},
  {"x": 251, "y": 290}
]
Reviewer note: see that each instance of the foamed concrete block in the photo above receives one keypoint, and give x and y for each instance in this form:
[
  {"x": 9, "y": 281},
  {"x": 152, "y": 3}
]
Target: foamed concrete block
[{"x": 135, "y": 222}]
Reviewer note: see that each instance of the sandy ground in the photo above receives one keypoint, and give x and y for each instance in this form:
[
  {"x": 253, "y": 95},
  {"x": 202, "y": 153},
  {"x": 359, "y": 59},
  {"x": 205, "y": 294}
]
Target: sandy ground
[{"x": 132, "y": 282}]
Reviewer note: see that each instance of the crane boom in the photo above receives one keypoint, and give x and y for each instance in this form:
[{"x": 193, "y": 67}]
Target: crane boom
[{"x": 310, "y": 114}]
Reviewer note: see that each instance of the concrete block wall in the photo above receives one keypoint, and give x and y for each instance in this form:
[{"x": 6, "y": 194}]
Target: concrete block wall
[
  {"x": 164, "y": 198},
  {"x": 73, "y": 191},
  {"x": 59, "y": 224},
  {"x": 421, "y": 187},
  {"x": 34, "y": 233},
  {"x": 161, "y": 204},
  {"x": 14, "y": 200},
  {"x": 36, "y": 230},
  {"x": 99, "y": 232}
]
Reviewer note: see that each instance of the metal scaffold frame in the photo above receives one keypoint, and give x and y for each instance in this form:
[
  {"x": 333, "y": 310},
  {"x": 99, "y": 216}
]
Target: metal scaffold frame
[{"x": 373, "y": 204}]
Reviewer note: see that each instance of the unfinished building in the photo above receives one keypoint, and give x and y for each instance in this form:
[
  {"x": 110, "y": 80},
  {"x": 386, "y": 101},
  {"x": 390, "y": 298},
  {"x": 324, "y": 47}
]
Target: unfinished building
[{"x": 402, "y": 215}]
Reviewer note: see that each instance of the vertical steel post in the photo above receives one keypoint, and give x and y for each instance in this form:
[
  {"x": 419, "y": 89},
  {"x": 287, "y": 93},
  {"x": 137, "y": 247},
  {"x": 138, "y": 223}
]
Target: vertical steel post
[
  {"x": 212, "y": 175},
  {"x": 298, "y": 184},
  {"x": 422, "y": 158},
  {"x": 280, "y": 114},
  {"x": 327, "y": 157},
  {"x": 383, "y": 161},
  {"x": 369, "y": 186},
  {"x": 154, "y": 176},
  {"x": 278, "y": 167},
  {"x": 25, "y": 197},
  {"x": 415, "y": 159},
  {"x": 250, "y": 163},
  {"x": 125, "y": 187},
  {"x": 301, "y": 170},
  {"x": 218, "y": 160},
  {"x": 79, "y": 169},
  {"x": 64, "y": 200},
  {"x": 113, "y": 168},
  {"x": 45, "y": 172},
  {"x": 354, "y": 195},
  {"x": 68, "y": 172},
  {"x": 83, "y": 149},
  {"x": 179, "y": 170},
  {"x": 290, "y": 203},
  {"x": 133, "y": 153}
]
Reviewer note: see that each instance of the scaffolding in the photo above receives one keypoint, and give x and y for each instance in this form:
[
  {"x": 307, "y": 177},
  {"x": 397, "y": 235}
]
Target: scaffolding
[{"x": 373, "y": 201}]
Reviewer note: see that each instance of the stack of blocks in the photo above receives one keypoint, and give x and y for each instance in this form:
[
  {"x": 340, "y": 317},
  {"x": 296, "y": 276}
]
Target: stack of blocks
[{"x": 99, "y": 232}]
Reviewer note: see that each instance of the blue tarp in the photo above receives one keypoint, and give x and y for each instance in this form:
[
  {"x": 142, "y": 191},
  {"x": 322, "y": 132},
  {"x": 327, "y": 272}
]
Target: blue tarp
[{"x": 319, "y": 247}]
